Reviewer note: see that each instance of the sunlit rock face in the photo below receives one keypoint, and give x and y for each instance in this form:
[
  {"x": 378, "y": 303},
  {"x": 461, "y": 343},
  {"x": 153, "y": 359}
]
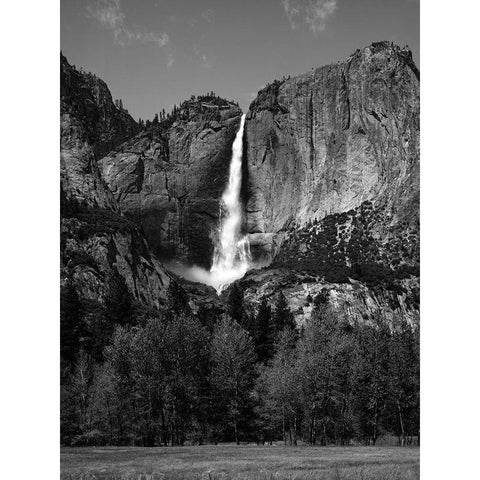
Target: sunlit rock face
[
  {"x": 354, "y": 301},
  {"x": 333, "y": 186},
  {"x": 97, "y": 241},
  {"x": 331, "y": 139},
  {"x": 169, "y": 179},
  {"x": 90, "y": 126}
]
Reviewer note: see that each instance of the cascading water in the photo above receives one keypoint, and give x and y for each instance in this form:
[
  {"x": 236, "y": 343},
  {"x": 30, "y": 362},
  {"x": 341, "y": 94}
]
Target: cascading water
[{"x": 231, "y": 256}]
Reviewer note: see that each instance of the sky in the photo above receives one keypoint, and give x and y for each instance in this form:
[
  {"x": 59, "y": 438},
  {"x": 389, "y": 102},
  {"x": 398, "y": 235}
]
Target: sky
[{"x": 156, "y": 53}]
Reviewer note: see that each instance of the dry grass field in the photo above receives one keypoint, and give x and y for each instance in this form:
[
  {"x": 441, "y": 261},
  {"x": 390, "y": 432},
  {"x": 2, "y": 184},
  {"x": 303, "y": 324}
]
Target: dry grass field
[{"x": 231, "y": 462}]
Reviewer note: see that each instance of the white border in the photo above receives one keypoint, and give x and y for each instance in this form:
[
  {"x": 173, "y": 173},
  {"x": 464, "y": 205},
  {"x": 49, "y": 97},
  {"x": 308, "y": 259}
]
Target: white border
[{"x": 29, "y": 349}]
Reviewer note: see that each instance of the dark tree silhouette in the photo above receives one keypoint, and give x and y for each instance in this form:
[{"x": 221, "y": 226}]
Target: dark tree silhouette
[
  {"x": 282, "y": 315},
  {"x": 263, "y": 332},
  {"x": 118, "y": 303},
  {"x": 177, "y": 300},
  {"x": 71, "y": 322},
  {"x": 235, "y": 304}
]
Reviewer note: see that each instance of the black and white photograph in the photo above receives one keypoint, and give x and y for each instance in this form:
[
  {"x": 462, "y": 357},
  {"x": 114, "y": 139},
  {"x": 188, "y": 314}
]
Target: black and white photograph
[
  {"x": 239, "y": 239},
  {"x": 236, "y": 242}
]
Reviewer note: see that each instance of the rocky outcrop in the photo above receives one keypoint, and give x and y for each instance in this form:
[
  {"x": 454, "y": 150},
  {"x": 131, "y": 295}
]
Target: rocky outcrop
[
  {"x": 90, "y": 125},
  {"x": 96, "y": 244},
  {"x": 87, "y": 98},
  {"x": 97, "y": 241},
  {"x": 354, "y": 300},
  {"x": 327, "y": 141},
  {"x": 170, "y": 177}
]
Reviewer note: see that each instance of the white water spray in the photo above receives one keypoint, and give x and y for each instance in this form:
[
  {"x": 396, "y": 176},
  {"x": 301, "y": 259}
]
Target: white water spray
[{"x": 231, "y": 256}]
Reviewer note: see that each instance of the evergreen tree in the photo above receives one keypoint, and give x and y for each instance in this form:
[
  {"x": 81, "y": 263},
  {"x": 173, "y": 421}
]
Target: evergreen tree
[
  {"x": 263, "y": 331},
  {"x": 155, "y": 119},
  {"x": 208, "y": 316},
  {"x": 118, "y": 303},
  {"x": 235, "y": 304},
  {"x": 177, "y": 300},
  {"x": 321, "y": 299},
  {"x": 71, "y": 323},
  {"x": 282, "y": 315}
]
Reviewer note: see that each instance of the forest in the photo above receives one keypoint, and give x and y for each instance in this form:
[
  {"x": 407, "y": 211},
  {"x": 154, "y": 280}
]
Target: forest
[{"x": 130, "y": 377}]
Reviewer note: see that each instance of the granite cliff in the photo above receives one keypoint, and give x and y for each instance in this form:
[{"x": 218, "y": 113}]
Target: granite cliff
[
  {"x": 333, "y": 184},
  {"x": 97, "y": 242},
  {"x": 327, "y": 141},
  {"x": 169, "y": 178}
]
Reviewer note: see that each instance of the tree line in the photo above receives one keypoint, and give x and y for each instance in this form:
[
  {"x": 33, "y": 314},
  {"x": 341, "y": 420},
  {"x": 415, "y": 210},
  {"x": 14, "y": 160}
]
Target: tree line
[
  {"x": 187, "y": 109},
  {"x": 178, "y": 377}
]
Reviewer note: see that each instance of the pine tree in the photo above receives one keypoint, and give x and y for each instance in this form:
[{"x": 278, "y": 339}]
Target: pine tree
[
  {"x": 177, "y": 300},
  {"x": 282, "y": 315},
  {"x": 263, "y": 331},
  {"x": 118, "y": 303},
  {"x": 321, "y": 299},
  {"x": 71, "y": 323},
  {"x": 235, "y": 304}
]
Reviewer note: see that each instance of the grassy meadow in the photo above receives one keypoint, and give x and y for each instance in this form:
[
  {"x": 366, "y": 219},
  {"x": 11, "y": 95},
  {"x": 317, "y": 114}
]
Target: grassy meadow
[{"x": 231, "y": 462}]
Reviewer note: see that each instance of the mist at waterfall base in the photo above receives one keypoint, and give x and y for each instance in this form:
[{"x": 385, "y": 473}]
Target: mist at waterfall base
[{"x": 231, "y": 256}]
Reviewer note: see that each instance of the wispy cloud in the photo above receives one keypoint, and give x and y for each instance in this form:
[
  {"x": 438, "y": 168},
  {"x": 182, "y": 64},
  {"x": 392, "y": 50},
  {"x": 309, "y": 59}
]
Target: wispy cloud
[
  {"x": 110, "y": 15},
  {"x": 201, "y": 56},
  {"x": 313, "y": 13}
]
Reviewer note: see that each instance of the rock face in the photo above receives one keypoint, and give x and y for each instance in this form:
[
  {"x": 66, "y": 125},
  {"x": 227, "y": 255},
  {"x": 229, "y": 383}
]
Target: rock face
[
  {"x": 95, "y": 244},
  {"x": 90, "y": 125},
  {"x": 97, "y": 241},
  {"x": 333, "y": 185},
  {"x": 170, "y": 177},
  {"x": 354, "y": 300},
  {"x": 88, "y": 99},
  {"x": 329, "y": 140}
]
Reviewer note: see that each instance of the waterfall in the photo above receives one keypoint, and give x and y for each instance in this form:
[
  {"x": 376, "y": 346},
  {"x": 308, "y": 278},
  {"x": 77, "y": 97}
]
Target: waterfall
[{"x": 231, "y": 256}]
